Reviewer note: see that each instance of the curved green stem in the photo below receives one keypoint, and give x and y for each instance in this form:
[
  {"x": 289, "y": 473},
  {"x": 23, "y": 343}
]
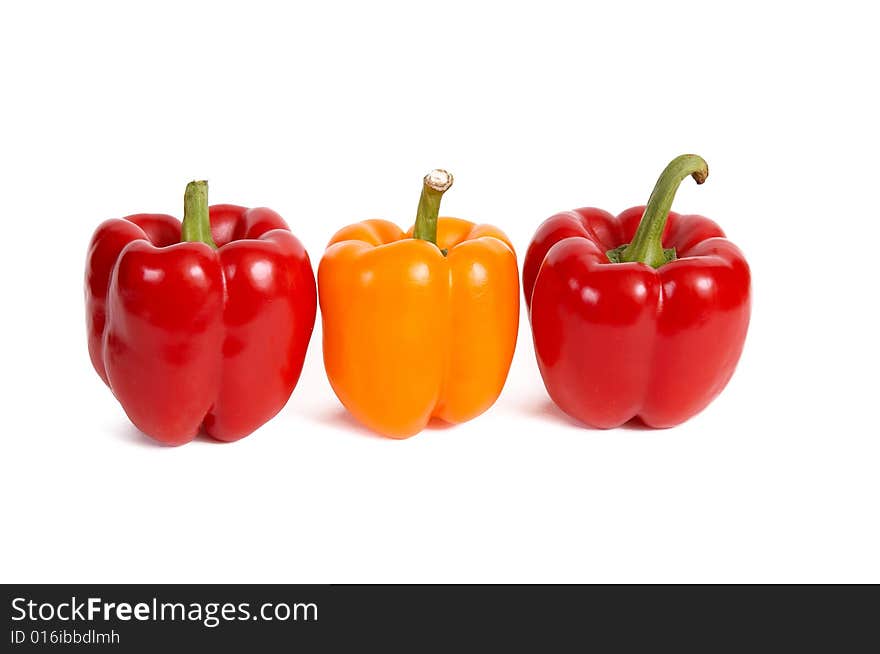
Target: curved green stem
[
  {"x": 196, "y": 222},
  {"x": 647, "y": 245},
  {"x": 435, "y": 184}
]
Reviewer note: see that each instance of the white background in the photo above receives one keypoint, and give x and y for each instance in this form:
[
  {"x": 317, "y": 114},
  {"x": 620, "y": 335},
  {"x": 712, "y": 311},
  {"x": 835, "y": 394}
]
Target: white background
[{"x": 332, "y": 114}]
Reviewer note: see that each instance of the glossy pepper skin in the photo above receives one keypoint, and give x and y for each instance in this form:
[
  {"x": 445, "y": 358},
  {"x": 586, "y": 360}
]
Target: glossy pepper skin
[
  {"x": 188, "y": 336},
  {"x": 618, "y": 340},
  {"x": 411, "y": 333}
]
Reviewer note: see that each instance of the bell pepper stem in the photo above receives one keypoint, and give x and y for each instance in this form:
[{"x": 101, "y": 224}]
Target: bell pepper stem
[
  {"x": 647, "y": 244},
  {"x": 435, "y": 184},
  {"x": 196, "y": 226}
]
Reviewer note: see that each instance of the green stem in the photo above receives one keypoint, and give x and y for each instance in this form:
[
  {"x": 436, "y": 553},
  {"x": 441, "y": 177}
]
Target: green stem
[
  {"x": 647, "y": 245},
  {"x": 196, "y": 221},
  {"x": 435, "y": 184}
]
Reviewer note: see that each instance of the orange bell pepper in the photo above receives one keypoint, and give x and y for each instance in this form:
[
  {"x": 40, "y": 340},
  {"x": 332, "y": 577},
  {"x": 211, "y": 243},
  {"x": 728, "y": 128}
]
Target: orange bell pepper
[{"x": 422, "y": 324}]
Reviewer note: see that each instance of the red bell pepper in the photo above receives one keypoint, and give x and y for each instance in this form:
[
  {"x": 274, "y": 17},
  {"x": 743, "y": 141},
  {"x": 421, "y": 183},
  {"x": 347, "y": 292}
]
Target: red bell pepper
[
  {"x": 199, "y": 324},
  {"x": 643, "y": 315}
]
